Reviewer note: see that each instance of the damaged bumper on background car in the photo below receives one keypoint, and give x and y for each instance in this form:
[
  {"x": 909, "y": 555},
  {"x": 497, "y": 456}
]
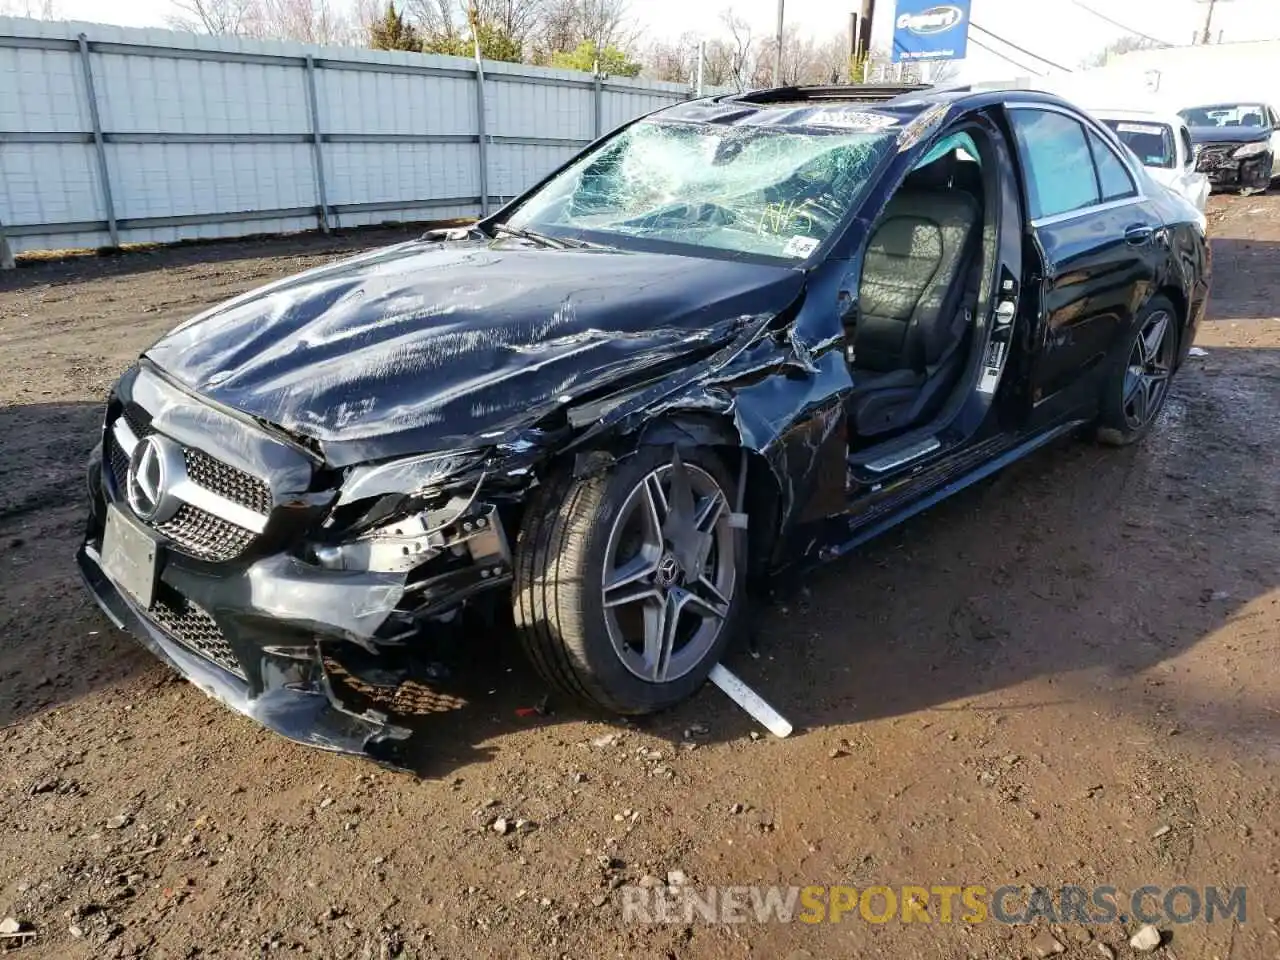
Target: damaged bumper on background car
[
  {"x": 1225, "y": 167},
  {"x": 253, "y": 592}
]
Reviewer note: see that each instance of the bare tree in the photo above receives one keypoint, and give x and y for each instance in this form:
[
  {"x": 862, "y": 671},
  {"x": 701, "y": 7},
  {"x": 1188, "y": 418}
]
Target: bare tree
[
  {"x": 945, "y": 72},
  {"x": 740, "y": 47},
  {"x": 673, "y": 61},
  {"x": 447, "y": 23},
  {"x": 831, "y": 61},
  {"x": 217, "y": 17},
  {"x": 306, "y": 21},
  {"x": 36, "y": 9},
  {"x": 439, "y": 19},
  {"x": 565, "y": 24}
]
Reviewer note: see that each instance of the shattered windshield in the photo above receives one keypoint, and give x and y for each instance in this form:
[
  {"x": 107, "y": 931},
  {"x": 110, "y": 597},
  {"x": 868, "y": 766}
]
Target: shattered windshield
[
  {"x": 750, "y": 190},
  {"x": 1226, "y": 115}
]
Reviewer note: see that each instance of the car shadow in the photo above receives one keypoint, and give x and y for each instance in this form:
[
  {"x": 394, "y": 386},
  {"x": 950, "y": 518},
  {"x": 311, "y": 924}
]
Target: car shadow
[
  {"x": 54, "y": 645},
  {"x": 1252, "y": 267},
  {"x": 1080, "y": 560},
  {"x": 1075, "y": 560}
]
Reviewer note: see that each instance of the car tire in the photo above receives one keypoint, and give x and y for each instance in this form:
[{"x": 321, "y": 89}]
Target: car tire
[
  {"x": 600, "y": 568},
  {"x": 1136, "y": 388}
]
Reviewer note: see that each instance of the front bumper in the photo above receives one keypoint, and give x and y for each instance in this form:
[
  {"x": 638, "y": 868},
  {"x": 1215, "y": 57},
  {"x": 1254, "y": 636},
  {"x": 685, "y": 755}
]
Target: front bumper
[
  {"x": 1250, "y": 173},
  {"x": 296, "y": 697},
  {"x": 314, "y": 653}
]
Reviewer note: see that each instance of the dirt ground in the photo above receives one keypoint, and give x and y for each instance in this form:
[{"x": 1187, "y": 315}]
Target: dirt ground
[{"x": 1066, "y": 675}]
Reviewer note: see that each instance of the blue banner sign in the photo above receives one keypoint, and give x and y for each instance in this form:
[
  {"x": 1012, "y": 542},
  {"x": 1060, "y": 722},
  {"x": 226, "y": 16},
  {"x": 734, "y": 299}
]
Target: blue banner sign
[{"x": 928, "y": 30}]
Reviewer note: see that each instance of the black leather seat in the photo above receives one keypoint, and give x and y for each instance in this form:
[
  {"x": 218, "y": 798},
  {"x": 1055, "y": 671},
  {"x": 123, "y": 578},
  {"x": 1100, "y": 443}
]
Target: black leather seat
[{"x": 919, "y": 282}]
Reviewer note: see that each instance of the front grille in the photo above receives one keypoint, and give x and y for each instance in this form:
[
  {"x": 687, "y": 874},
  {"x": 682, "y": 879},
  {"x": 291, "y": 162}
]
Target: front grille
[
  {"x": 195, "y": 629},
  {"x": 205, "y": 536},
  {"x": 225, "y": 480},
  {"x": 195, "y": 531},
  {"x": 1211, "y": 156}
]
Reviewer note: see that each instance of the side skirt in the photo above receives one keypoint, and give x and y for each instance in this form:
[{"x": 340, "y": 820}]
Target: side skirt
[{"x": 993, "y": 465}]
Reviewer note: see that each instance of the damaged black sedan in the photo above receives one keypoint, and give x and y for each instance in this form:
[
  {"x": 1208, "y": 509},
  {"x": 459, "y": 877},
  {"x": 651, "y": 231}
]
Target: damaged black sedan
[{"x": 740, "y": 335}]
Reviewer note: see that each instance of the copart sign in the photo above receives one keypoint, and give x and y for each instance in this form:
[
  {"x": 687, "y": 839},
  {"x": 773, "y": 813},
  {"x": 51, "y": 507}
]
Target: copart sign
[{"x": 928, "y": 30}]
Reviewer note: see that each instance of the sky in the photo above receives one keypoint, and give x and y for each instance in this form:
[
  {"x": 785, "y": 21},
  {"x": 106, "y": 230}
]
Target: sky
[{"x": 1061, "y": 30}]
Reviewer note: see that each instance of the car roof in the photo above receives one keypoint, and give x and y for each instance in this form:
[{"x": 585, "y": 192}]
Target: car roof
[
  {"x": 1150, "y": 116},
  {"x": 813, "y": 105}
]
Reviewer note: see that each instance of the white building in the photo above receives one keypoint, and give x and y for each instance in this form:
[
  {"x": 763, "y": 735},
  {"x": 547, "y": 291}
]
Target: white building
[{"x": 1176, "y": 77}]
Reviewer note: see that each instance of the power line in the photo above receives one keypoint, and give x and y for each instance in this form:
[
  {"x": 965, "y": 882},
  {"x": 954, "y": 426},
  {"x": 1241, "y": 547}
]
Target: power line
[
  {"x": 1020, "y": 66},
  {"x": 1116, "y": 23},
  {"x": 1034, "y": 56}
]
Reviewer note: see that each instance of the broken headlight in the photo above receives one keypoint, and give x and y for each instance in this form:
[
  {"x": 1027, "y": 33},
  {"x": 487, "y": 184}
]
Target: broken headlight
[
  {"x": 1251, "y": 149},
  {"x": 406, "y": 477}
]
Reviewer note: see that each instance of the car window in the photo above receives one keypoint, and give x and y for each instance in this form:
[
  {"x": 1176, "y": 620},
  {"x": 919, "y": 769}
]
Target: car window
[
  {"x": 1225, "y": 115},
  {"x": 960, "y": 144},
  {"x": 1151, "y": 143},
  {"x": 1113, "y": 176},
  {"x": 1057, "y": 162},
  {"x": 1273, "y": 116},
  {"x": 1188, "y": 148}
]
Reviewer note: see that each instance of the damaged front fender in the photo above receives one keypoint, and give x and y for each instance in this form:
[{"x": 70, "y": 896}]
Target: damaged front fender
[{"x": 776, "y": 390}]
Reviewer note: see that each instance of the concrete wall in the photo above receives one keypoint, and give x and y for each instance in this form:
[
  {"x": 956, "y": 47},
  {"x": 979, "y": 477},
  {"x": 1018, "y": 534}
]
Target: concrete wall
[
  {"x": 1178, "y": 77},
  {"x": 200, "y": 137}
]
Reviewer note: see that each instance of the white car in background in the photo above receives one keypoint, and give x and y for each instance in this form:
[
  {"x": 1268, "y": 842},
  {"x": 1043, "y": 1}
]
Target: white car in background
[{"x": 1162, "y": 143}]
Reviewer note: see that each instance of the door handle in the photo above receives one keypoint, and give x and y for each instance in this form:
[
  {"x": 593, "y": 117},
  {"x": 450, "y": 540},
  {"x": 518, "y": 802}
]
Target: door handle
[{"x": 1138, "y": 235}]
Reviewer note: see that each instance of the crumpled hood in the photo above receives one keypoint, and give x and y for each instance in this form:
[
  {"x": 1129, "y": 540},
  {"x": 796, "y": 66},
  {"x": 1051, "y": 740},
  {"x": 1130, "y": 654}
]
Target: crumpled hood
[
  {"x": 1228, "y": 134},
  {"x": 427, "y": 346}
]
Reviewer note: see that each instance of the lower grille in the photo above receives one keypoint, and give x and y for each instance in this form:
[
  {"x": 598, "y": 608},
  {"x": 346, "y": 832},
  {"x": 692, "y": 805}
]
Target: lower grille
[{"x": 195, "y": 629}]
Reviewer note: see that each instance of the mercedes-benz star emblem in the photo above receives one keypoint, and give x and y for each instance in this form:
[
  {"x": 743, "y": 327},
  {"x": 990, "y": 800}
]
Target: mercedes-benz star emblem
[
  {"x": 154, "y": 468},
  {"x": 668, "y": 570}
]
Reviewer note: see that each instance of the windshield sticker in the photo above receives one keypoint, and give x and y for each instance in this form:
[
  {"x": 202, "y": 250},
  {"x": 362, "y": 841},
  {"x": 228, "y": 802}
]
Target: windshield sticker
[
  {"x": 850, "y": 119},
  {"x": 1140, "y": 128},
  {"x": 800, "y": 246}
]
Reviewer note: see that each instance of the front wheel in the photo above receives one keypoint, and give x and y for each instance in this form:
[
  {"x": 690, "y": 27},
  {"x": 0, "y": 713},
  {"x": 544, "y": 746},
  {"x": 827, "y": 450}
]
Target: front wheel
[
  {"x": 1134, "y": 393},
  {"x": 630, "y": 583}
]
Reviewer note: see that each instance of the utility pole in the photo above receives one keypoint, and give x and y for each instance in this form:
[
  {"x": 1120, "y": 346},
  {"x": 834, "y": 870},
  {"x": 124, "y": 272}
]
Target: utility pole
[
  {"x": 853, "y": 45},
  {"x": 862, "y": 49},
  {"x": 777, "y": 53},
  {"x": 1206, "y": 34},
  {"x": 1208, "y": 22}
]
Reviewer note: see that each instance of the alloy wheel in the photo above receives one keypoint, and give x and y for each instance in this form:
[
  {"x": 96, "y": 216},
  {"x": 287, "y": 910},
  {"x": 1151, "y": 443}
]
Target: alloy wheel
[
  {"x": 1150, "y": 365},
  {"x": 669, "y": 572}
]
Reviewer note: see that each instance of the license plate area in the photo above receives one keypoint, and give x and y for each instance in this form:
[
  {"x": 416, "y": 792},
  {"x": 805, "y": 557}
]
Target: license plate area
[{"x": 129, "y": 557}]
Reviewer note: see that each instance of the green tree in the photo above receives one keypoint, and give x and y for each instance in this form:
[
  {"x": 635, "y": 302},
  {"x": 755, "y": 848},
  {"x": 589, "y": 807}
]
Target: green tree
[
  {"x": 393, "y": 32},
  {"x": 495, "y": 44},
  {"x": 584, "y": 57}
]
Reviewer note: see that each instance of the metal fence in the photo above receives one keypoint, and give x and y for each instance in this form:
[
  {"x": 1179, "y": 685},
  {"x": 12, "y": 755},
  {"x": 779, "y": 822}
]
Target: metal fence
[{"x": 111, "y": 135}]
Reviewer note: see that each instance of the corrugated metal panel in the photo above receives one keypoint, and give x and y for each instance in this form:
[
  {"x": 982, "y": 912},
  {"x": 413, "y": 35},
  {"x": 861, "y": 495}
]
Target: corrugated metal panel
[{"x": 211, "y": 137}]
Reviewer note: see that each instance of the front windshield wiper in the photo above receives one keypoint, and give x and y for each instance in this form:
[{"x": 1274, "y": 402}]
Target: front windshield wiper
[{"x": 564, "y": 243}]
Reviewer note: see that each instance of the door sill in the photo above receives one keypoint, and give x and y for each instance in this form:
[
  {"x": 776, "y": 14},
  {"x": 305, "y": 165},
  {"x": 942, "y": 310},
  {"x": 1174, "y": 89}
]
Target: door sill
[{"x": 902, "y": 456}]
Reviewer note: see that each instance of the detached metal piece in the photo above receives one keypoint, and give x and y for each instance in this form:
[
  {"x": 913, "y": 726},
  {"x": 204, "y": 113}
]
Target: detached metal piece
[{"x": 750, "y": 701}]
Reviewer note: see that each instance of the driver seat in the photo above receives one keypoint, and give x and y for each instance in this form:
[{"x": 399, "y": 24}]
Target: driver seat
[{"x": 919, "y": 282}]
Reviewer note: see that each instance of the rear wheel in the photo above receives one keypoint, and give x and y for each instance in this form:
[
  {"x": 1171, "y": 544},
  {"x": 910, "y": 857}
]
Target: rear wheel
[
  {"x": 1135, "y": 392},
  {"x": 629, "y": 583}
]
